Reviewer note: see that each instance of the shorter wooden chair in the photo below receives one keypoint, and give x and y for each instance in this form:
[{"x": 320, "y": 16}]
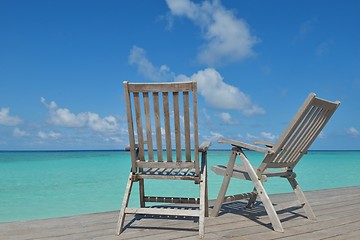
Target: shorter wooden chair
[
  {"x": 281, "y": 156},
  {"x": 171, "y": 121}
]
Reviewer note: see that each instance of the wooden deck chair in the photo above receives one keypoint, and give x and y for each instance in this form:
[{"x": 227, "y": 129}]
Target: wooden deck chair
[
  {"x": 171, "y": 121},
  {"x": 281, "y": 156}
]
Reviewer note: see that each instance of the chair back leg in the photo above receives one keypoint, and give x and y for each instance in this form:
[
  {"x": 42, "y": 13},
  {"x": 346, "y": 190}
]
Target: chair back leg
[
  {"x": 302, "y": 199},
  {"x": 225, "y": 184},
  {"x": 252, "y": 199}
]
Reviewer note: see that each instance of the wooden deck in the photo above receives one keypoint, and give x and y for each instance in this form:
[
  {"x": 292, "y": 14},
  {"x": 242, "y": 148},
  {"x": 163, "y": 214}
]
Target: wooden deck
[{"x": 337, "y": 210}]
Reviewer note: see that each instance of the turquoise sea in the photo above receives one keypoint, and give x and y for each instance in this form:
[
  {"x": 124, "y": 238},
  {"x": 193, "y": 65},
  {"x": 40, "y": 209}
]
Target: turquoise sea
[{"x": 35, "y": 185}]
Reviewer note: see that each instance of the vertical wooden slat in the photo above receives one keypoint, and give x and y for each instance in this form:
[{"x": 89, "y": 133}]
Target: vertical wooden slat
[
  {"x": 148, "y": 127},
  {"x": 157, "y": 126},
  {"x": 315, "y": 128},
  {"x": 177, "y": 126},
  {"x": 299, "y": 133},
  {"x": 287, "y": 148},
  {"x": 187, "y": 126},
  {"x": 196, "y": 138},
  {"x": 139, "y": 125},
  {"x": 167, "y": 126},
  {"x": 317, "y": 124},
  {"x": 284, "y": 137},
  {"x": 130, "y": 127},
  {"x": 321, "y": 125}
]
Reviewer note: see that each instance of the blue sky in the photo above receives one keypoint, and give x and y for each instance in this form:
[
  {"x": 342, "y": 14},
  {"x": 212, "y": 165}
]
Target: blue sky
[{"x": 62, "y": 64}]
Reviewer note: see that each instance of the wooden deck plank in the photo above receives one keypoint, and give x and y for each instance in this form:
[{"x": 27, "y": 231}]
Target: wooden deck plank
[{"x": 337, "y": 210}]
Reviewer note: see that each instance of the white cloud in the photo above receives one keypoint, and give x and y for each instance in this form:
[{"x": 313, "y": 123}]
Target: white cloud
[
  {"x": 138, "y": 57},
  {"x": 227, "y": 119},
  {"x": 19, "y": 133},
  {"x": 113, "y": 139},
  {"x": 322, "y": 135},
  {"x": 212, "y": 87},
  {"x": 219, "y": 94},
  {"x": 96, "y": 123},
  {"x": 49, "y": 135},
  {"x": 251, "y": 137},
  {"x": 268, "y": 136},
  {"x": 64, "y": 118},
  {"x": 227, "y": 38},
  {"x": 263, "y": 135},
  {"x": 353, "y": 132},
  {"x": 6, "y": 119},
  {"x": 253, "y": 110},
  {"x": 214, "y": 136}
]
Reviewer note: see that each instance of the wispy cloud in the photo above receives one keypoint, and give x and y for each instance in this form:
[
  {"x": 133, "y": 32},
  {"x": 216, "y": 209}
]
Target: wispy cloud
[
  {"x": 65, "y": 118},
  {"x": 7, "y": 120},
  {"x": 145, "y": 67},
  {"x": 227, "y": 37},
  {"x": 19, "y": 133},
  {"x": 353, "y": 132},
  {"x": 213, "y": 137},
  {"x": 49, "y": 135},
  {"x": 219, "y": 94},
  {"x": 227, "y": 119},
  {"x": 268, "y": 136},
  {"x": 305, "y": 29},
  {"x": 324, "y": 47}
]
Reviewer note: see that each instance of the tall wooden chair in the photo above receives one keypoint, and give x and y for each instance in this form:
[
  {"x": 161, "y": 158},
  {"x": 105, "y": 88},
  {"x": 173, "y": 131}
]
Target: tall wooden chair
[
  {"x": 171, "y": 121},
  {"x": 281, "y": 156}
]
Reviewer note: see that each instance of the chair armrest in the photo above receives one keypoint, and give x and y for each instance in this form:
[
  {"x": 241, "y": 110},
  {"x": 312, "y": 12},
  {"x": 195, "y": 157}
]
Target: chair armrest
[
  {"x": 246, "y": 146},
  {"x": 204, "y": 146},
  {"x": 266, "y": 143}
]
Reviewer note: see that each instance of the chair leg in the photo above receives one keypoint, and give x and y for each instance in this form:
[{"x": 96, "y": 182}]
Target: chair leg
[
  {"x": 302, "y": 199},
  {"x": 206, "y": 196},
  {"x": 252, "y": 200},
  {"x": 224, "y": 186},
  {"x": 203, "y": 204},
  {"x": 142, "y": 192},
  {"x": 124, "y": 205},
  {"x": 275, "y": 221}
]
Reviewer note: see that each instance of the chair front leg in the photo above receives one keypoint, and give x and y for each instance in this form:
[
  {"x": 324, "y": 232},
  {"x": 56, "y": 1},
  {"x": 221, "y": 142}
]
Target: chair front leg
[
  {"x": 142, "y": 192},
  {"x": 204, "y": 171},
  {"x": 203, "y": 203},
  {"x": 275, "y": 221},
  {"x": 124, "y": 205}
]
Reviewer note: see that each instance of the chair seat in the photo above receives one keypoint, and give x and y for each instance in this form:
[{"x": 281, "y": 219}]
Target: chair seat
[
  {"x": 240, "y": 172},
  {"x": 175, "y": 173}
]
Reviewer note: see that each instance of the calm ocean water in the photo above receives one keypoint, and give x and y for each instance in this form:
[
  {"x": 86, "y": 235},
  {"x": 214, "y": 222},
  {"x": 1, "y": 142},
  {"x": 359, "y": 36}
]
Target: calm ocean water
[{"x": 35, "y": 185}]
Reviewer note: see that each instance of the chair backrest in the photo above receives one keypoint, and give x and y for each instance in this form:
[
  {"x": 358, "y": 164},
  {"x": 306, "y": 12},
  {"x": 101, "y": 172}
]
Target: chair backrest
[
  {"x": 162, "y": 116},
  {"x": 301, "y": 132}
]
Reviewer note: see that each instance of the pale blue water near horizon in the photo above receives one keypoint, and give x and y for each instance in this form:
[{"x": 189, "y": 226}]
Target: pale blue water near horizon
[{"x": 46, "y": 184}]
